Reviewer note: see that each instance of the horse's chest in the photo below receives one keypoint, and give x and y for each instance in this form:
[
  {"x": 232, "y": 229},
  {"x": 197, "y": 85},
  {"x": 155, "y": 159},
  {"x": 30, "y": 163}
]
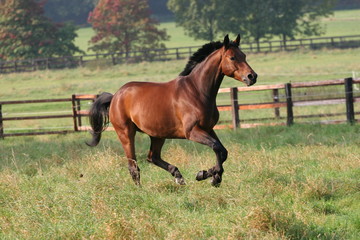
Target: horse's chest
[{"x": 210, "y": 117}]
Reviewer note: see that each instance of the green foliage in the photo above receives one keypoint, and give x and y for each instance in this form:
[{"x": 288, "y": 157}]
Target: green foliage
[
  {"x": 255, "y": 19},
  {"x": 284, "y": 18},
  {"x": 26, "y": 33},
  {"x": 200, "y": 19},
  {"x": 124, "y": 26}
]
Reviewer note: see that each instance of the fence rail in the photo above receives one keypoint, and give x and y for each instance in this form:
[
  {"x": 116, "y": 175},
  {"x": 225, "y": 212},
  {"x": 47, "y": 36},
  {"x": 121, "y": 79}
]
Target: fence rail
[
  {"x": 287, "y": 101},
  {"x": 170, "y": 54}
]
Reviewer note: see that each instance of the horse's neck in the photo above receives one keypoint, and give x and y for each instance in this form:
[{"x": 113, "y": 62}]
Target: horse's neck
[{"x": 207, "y": 76}]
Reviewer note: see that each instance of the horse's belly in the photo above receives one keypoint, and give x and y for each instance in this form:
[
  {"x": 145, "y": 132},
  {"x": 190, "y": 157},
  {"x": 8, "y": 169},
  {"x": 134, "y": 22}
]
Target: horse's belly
[{"x": 158, "y": 122}]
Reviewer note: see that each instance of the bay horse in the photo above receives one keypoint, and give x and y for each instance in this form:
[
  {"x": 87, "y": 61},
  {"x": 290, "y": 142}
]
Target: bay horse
[{"x": 184, "y": 108}]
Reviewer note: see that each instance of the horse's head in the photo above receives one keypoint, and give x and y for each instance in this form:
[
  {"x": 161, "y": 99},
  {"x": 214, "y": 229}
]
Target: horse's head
[{"x": 233, "y": 63}]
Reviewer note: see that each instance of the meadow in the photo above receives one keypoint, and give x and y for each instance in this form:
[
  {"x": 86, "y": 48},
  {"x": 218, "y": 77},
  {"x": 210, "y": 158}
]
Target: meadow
[
  {"x": 279, "y": 183},
  {"x": 299, "y": 182}
]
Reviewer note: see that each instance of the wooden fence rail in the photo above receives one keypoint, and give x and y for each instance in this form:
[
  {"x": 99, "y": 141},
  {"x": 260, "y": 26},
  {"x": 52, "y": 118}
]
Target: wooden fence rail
[
  {"x": 170, "y": 54},
  {"x": 288, "y": 101}
]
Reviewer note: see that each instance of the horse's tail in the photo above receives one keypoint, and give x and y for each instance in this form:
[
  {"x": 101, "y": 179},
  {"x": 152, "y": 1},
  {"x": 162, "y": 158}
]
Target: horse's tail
[{"x": 99, "y": 117}]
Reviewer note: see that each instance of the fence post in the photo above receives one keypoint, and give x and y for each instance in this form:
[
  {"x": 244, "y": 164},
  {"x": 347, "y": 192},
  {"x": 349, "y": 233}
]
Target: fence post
[
  {"x": 81, "y": 61},
  {"x": 177, "y": 54},
  {"x": 289, "y": 105},
  {"x": 1, "y": 124},
  {"x": 350, "y": 116},
  {"x": 74, "y": 108},
  {"x": 79, "y": 109},
  {"x": 235, "y": 108},
  {"x": 276, "y": 100}
]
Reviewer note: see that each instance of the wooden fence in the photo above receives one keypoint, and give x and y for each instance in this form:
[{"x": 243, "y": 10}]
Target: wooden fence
[
  {"x": 170, "y": 54},
  {"x": 282, "y": 97}
]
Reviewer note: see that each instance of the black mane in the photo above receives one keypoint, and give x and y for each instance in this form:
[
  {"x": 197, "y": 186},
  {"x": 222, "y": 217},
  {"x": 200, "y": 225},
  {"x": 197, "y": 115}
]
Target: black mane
[{"x": 200, "y": 56}]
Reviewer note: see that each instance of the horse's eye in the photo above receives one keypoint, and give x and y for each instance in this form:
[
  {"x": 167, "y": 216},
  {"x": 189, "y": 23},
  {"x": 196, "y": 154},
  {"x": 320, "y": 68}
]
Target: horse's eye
[{"x": 232, "y": 58}]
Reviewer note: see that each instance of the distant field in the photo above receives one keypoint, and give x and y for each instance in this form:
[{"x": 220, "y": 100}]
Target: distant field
[
  {"x": 272, "y": 68},
  {"x": 344, "y": 22}
]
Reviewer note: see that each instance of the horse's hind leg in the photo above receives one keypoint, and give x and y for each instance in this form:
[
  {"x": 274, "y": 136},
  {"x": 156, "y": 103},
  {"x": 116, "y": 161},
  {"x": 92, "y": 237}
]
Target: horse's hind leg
[
  {"x": 154, "y": 156},
  {"x": 126, "y": 136}
]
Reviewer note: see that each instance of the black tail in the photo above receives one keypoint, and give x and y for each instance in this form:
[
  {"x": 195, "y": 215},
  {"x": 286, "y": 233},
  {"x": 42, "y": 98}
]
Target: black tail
[{"x": 99, "y": 117}]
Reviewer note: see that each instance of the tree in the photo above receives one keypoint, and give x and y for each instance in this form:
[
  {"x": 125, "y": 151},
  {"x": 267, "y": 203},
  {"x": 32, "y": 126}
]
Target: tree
[
  {"x": 26, "y": 33},
  {"x": 294, "y": 17},
  {"x": 251, "y": 18},
  {"x": 199, "y": 18},
  {"x": 124, "y": 25},
  {"x": 285, "y": 18},
  {"x": 254, "y": 19}
]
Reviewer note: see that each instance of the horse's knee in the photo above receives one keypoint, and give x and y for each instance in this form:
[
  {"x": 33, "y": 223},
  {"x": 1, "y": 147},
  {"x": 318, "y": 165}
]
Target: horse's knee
[
  {"x": 221, "y": 151},
  {"x": 224, "y": 154}
]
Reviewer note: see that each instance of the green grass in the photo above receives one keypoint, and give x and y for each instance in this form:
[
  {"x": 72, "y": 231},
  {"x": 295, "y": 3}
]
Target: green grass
[
  {"x": 272, "y": 68},
  {"x": 279, "y": 183},
  {"x": 342, "y": 23}
]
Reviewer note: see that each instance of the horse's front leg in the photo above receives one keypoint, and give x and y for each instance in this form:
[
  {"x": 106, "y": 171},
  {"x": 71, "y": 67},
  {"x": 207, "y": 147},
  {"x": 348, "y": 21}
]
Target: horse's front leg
[{"x": 210, "y": 139}]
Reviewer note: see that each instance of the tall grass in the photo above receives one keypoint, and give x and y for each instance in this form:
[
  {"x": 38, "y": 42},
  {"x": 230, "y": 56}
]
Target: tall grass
[{"x": 279, "y": 183}]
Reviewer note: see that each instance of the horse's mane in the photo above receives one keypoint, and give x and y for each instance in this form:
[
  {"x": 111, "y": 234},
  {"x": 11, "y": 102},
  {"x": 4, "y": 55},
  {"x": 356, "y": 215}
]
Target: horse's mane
[{"x": 200, "y": 56}]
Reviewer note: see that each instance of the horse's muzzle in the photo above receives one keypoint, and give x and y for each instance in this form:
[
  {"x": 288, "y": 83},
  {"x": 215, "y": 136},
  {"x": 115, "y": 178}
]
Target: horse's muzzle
[{"x": 251, "y": 79}]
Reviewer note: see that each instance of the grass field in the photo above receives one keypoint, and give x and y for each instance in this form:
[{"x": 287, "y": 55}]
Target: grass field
[
  {"x": 272, "y": 68},
  {"x": 279, "y": 183},
  {"x": 299, "y": 182}
]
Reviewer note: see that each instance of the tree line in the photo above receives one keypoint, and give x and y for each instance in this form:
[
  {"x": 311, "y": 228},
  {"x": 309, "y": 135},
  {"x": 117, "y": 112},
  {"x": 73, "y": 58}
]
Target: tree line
[{"x": 28, "y": 31}]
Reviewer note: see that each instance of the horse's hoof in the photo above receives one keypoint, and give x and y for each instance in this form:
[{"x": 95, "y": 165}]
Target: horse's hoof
[
  {"x": 216, "y": 180},
  {"x": 201, "y": 175},
  {"x": 180, "y": 181}
]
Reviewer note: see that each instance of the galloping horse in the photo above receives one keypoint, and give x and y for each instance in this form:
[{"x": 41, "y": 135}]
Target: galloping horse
[{"x": 182, "y": 108}]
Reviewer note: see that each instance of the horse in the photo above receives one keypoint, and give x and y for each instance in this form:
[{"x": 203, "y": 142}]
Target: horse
[{"x": 183, "y": 108}]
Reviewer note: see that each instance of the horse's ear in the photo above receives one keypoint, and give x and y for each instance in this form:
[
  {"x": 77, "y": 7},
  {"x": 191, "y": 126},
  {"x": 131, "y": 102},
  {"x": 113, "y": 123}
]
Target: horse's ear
[
  {"x": 237, "y": 40},
  {"x": 226, "y": 41}
]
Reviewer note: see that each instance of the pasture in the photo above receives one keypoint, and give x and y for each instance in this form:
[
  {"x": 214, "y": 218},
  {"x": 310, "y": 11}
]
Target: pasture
[
  {"x": 279, "y": 183},
  {"x": 299, "y": 182}
]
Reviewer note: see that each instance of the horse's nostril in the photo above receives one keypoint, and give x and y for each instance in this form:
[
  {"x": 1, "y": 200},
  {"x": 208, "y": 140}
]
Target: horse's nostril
[{"x": 252, "y": 77}]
